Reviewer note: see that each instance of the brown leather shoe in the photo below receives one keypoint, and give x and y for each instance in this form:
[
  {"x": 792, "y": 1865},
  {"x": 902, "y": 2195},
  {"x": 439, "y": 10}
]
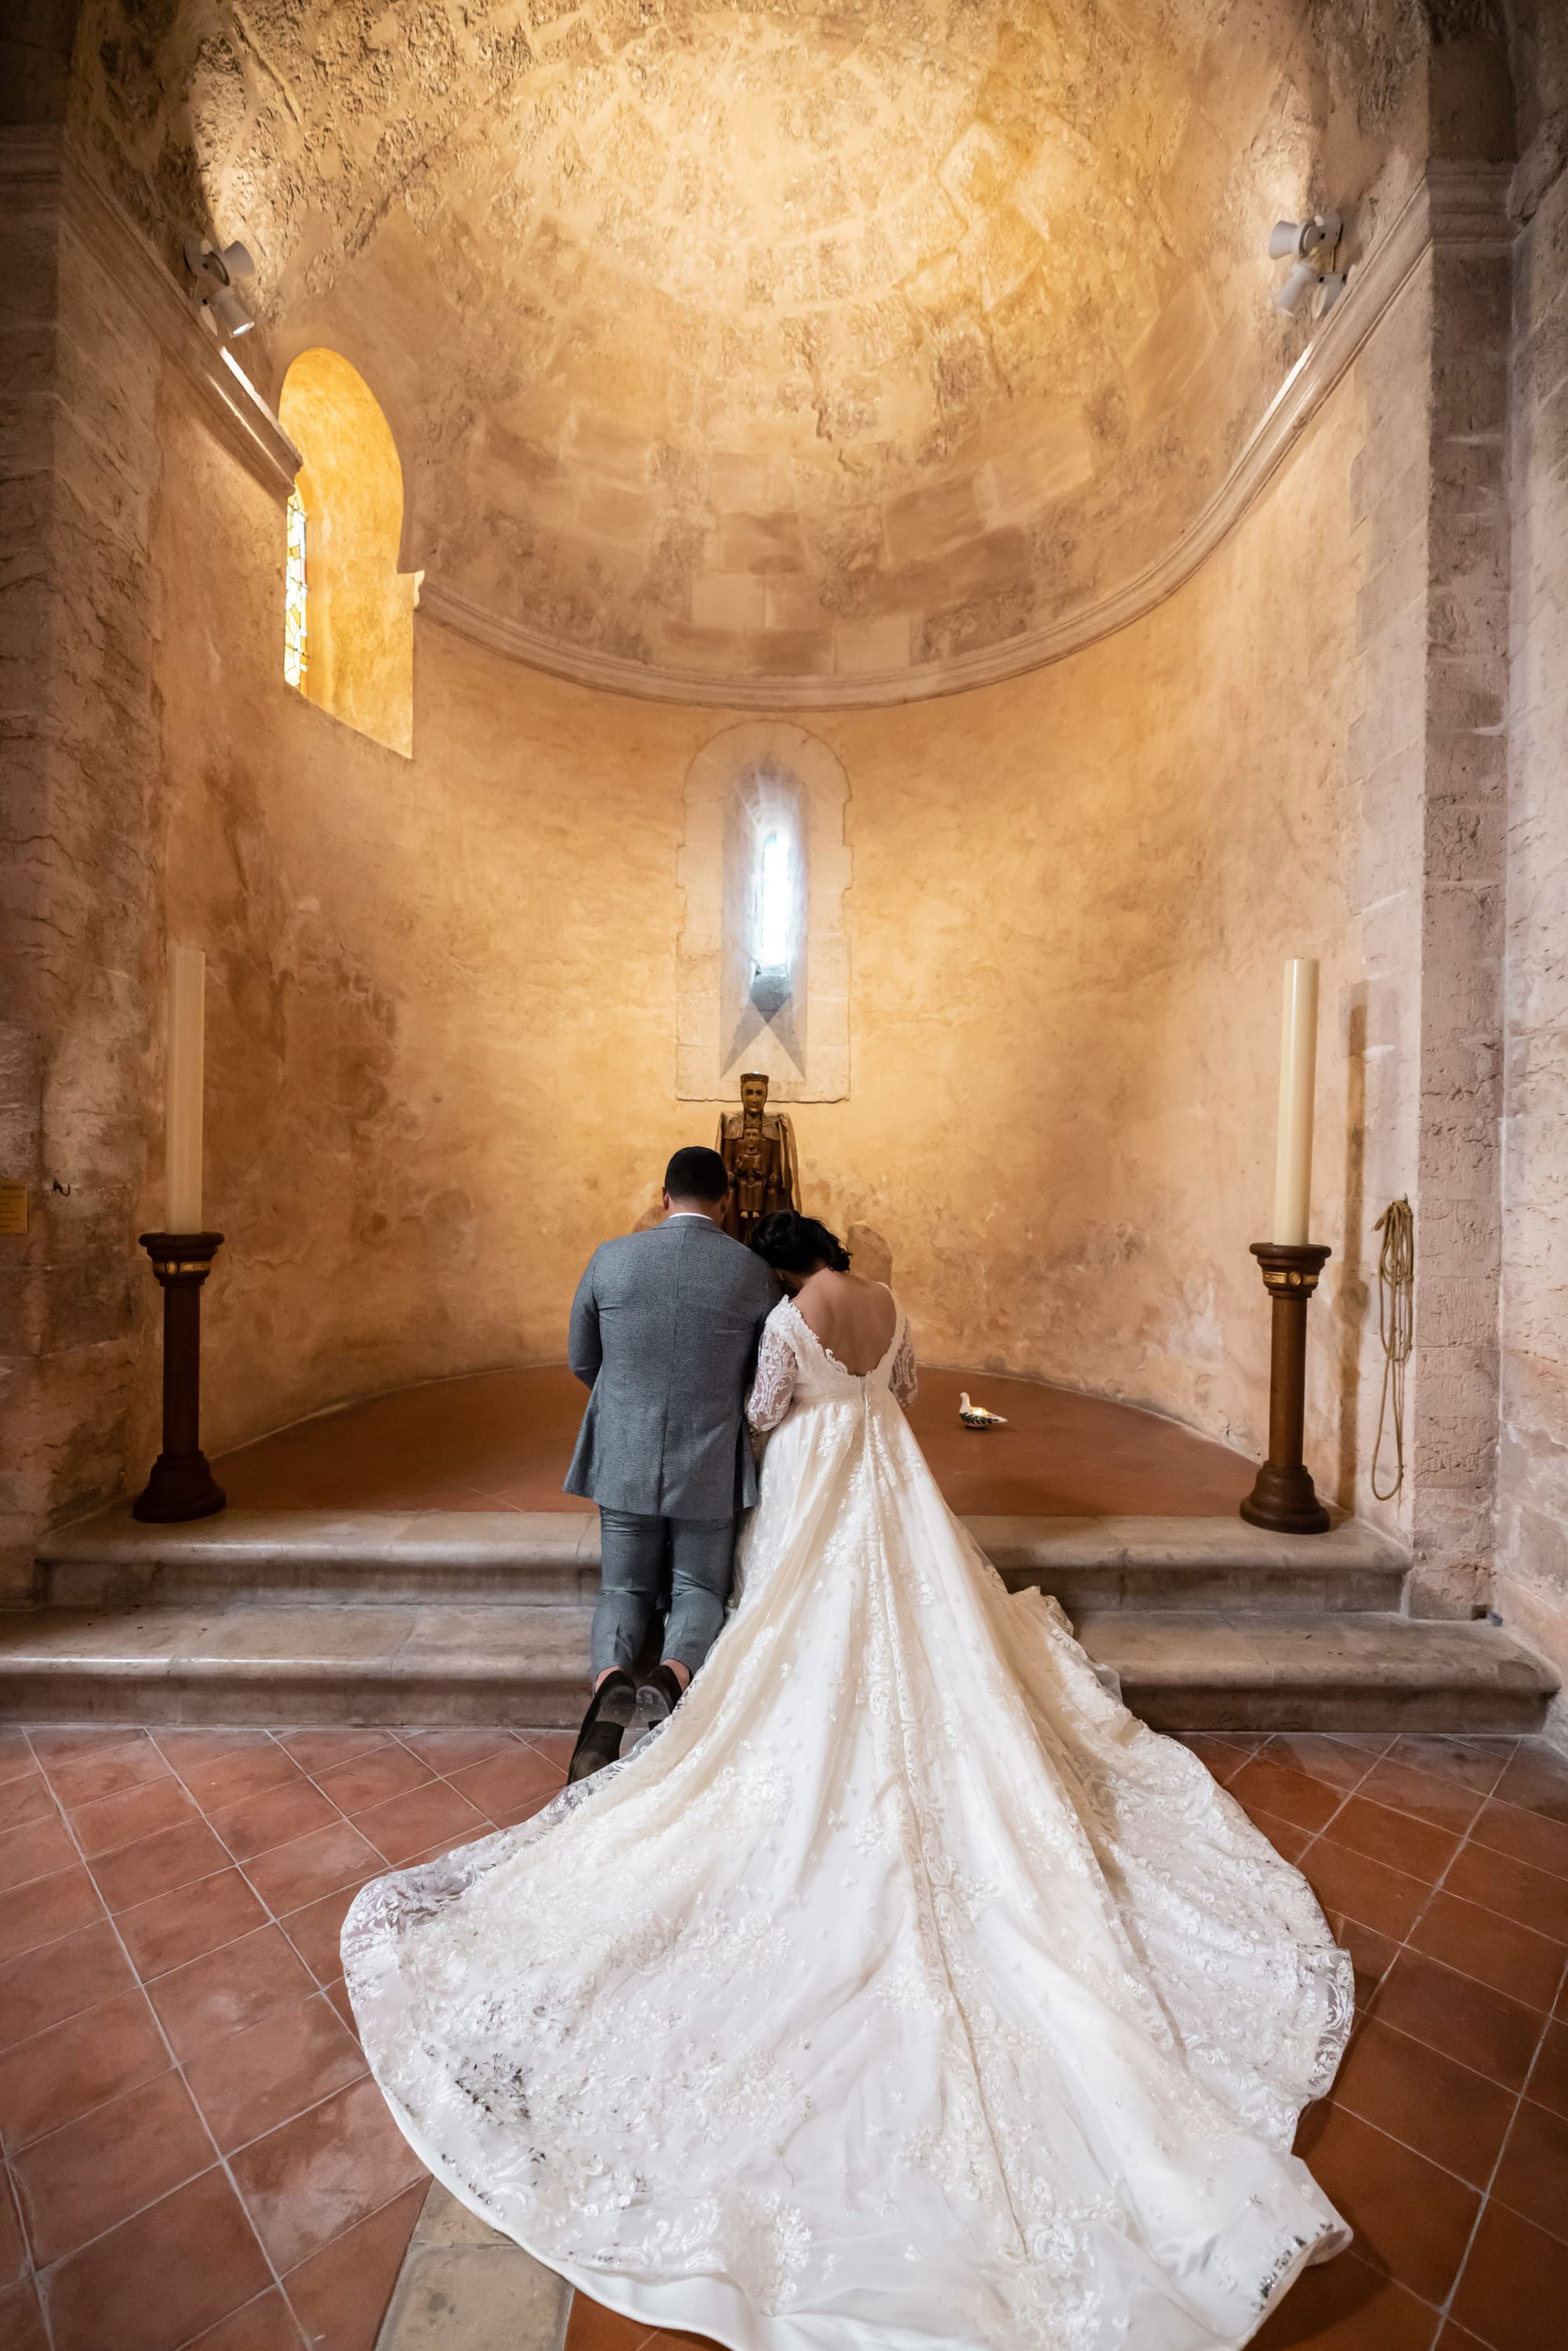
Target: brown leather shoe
[{"x": 610, "y": 1710}]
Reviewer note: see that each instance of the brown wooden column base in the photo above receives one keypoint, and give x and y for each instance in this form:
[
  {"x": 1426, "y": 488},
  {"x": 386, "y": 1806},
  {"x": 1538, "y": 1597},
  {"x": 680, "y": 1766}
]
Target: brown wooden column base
[
  {"x": 1283, "y": 1497},
  {"x": 182, "y": 1485}
]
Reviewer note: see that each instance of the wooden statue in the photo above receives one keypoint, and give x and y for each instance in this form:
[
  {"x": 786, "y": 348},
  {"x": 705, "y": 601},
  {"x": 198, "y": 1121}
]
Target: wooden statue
[{"x": 758, "y": 1146}]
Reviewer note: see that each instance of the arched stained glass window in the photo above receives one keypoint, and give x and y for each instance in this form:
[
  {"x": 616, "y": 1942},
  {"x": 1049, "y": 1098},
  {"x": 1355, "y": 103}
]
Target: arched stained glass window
[{"x": 295, "y": 652}]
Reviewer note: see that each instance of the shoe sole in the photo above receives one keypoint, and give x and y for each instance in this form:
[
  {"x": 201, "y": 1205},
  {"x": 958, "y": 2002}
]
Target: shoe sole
[{"x": 619, "y": 1710}]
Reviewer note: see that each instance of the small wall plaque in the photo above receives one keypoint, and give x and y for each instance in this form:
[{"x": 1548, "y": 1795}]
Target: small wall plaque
[{"x": 13, "y": 1208}]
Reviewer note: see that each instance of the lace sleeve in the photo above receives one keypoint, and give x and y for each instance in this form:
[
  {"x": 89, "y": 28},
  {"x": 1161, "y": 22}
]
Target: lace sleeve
[
  {"x": 903, "y": 1379},
  {"x": 774, "y": 1383}
]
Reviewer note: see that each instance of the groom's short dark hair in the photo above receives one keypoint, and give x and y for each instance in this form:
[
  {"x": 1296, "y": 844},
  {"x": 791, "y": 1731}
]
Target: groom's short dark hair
[{"x": 696, "y": 1174}]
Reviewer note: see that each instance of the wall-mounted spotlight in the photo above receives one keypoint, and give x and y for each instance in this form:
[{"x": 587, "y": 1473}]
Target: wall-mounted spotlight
[
  {"x": 215, "y": 268},
  {"x": 1309, "y": 247}
]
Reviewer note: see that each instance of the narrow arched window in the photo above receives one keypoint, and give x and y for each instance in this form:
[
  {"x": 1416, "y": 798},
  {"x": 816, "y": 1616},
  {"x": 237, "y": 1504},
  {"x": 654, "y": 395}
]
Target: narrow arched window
[
  {"x": 774, "y": 903},
  {"x": 762, "y": 956},
  {"x": 348, "y": 608},
  {"x": 765, "y": 888}
]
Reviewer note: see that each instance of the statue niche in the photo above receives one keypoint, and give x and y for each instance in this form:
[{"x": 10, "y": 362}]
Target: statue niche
[{"x": 758, "y": 1146}]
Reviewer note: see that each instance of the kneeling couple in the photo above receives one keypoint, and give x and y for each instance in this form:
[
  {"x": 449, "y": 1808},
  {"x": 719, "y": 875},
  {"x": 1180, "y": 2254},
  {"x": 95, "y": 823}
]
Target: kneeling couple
[
  {"x": 906, "y": 1993},
  {"x": 665, "y": 1331}
]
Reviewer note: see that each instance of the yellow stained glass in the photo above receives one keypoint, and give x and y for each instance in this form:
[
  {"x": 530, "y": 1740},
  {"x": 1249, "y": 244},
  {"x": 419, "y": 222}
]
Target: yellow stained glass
[{"x": 295, "y": 652}]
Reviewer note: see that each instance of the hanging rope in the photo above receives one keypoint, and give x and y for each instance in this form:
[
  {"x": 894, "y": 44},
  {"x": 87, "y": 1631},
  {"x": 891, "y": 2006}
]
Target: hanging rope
[{"x": 1395, "y": 1304}]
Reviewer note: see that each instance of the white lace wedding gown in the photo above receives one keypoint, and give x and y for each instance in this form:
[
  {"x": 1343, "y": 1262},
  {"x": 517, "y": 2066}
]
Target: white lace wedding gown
[{"x": 905, "y": 1993}]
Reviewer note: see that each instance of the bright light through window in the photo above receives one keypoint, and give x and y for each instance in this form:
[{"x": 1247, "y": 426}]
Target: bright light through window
[
  {"x": 773, "y": 926},
  {"x": 294, "y": 654}
]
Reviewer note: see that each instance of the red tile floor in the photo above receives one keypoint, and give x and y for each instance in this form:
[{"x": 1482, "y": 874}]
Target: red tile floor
[
  {"x": 196, "y": 2160},
  {"x": 502, "y": 1440}
]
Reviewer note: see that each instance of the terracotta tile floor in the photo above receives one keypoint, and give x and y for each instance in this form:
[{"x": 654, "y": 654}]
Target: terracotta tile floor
[
  {"x": 194, "y": 2152},
  {"x": 196, "y": 2160},
  {"x": 502, "y": 1440}
]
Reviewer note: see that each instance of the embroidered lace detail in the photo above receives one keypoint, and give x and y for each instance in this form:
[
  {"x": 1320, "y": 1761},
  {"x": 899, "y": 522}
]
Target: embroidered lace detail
[
  {"x": 903, "y": 1377},
  {"x": 905, "y": 1987},
  {"x": 773, "y": 1384}
]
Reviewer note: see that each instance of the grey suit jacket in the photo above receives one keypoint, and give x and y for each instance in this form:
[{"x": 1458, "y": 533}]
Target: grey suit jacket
[{"x": 665, "y": 1329}]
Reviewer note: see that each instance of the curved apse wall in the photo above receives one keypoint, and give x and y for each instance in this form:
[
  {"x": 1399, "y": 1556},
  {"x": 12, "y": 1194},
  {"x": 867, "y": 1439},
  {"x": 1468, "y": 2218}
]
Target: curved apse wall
[{"x": 443, "y": 1017}]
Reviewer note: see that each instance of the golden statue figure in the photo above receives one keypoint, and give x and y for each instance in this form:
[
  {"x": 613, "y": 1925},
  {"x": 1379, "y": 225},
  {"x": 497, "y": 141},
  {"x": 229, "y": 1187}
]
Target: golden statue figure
[{"x": 758, "y": 1146}]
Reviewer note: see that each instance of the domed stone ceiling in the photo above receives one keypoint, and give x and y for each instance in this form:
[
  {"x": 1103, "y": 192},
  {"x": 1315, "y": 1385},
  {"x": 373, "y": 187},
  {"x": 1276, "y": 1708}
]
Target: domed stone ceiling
[{"x": 771, "y": 342}]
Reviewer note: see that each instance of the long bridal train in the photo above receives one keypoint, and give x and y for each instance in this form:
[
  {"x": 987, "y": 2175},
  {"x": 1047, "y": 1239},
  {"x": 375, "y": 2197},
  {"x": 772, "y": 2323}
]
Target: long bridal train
[{"x": 905, "y": 1991}]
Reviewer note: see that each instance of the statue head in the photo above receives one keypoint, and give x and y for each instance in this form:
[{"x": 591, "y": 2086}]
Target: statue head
[{"x": 754, "y": 1093}]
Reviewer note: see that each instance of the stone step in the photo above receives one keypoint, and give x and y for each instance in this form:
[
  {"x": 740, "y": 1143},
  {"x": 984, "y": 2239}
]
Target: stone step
[
  {"x": 369, "y": 1661},
  {"x": 547, "y": 1557},
  {"x": 1218, "y": 1563},
  {"x": 376, "y": 1662},
  {"x": 526, "y": 1557},
  {"x": 1208, "y": 1670}
]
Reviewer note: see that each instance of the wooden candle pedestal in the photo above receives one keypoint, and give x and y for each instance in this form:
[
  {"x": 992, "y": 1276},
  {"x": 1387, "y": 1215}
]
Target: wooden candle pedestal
[
  {"x": 182, "y": 1485},
  {"x": 1283, "y": 1497}
]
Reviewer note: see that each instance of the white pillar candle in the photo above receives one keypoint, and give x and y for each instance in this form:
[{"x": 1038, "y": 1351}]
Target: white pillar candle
[
  {"x": 182, "y": 1090},
  {"x": 1298, "y": 1073}
]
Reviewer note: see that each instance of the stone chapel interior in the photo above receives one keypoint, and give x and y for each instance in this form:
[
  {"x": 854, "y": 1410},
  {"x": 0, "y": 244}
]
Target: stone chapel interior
[{"x": 577, "y": 552}]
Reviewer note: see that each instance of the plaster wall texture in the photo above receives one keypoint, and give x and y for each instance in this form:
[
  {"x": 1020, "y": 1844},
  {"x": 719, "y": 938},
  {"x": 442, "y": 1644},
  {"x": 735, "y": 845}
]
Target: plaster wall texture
[
  {"x": 1532, "y": 1474},
  {"x": 773, "y": 342},
  {"x": 442, "y": 1048}
]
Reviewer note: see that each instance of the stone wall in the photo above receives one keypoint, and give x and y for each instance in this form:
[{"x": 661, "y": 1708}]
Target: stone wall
[
  {"x": 442, "y": 1051},
  {"x": 78, "y": 851},
  {"x": 1388, "y": 490},
  {"x": 1533, "y": 1498},
  {"x": 1465, "y": 603},
  {"x": 443, "y": 989}
]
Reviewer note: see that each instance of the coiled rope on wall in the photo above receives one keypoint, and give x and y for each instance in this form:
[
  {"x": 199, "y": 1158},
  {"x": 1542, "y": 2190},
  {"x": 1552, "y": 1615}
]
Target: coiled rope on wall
[{"x": 1395, "y": 1322}]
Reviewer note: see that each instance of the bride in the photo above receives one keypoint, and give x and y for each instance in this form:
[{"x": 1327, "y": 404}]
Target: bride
[{"x": 904, "y": 1992}]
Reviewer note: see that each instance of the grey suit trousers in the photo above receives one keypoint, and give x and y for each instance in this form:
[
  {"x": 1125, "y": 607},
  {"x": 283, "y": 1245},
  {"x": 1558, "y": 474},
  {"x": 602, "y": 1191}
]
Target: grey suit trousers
[{"x": 633, "y": 1549}]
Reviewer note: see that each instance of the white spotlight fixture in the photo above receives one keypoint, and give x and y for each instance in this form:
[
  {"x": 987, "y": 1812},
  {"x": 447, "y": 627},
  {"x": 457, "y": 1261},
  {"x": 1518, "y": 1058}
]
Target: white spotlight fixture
[
  {"x": 1309, "y": 245},
  {"x": 1299, "y": 283},
  {"x": 215, "y": 268}
]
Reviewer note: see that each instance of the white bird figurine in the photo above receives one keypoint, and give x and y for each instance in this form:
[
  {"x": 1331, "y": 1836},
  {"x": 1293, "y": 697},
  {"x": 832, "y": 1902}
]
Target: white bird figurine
[{"x": 975, "y": 1415}]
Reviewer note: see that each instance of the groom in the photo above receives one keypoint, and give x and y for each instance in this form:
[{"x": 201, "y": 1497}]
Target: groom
[{"x": 664, "y": 1329}]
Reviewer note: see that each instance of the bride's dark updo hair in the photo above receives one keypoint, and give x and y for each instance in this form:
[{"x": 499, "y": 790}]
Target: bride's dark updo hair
[{"x": 793, "y": 1244}]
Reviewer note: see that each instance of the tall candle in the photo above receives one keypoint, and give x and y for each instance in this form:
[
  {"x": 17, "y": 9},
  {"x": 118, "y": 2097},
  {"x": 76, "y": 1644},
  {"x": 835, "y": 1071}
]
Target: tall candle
[
  {"x": 182, "y": 1090},
  {"x": 1298, "y": 1071}
]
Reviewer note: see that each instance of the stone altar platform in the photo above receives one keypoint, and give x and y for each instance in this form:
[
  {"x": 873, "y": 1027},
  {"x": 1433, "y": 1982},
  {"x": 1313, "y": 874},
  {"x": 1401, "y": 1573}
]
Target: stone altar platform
[
  {"x": 295, "y": 1617},
  {"x": 411, "y": 1560},
  {"x": 502, "y": 1440}
]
